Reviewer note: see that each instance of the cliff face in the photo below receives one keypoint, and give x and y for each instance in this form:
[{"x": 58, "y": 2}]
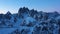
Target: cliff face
[{"x": 30, "y": 22}]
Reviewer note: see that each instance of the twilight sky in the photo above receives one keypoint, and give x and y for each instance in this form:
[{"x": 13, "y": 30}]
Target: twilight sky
[{"x": 40, "y": 5}]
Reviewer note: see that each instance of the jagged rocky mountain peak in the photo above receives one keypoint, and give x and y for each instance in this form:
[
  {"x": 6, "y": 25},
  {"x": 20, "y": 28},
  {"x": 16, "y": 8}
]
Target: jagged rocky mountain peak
[{"x": 30, "y": 22}]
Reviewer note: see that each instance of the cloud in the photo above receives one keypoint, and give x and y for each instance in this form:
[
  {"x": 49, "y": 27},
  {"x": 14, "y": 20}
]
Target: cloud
[{"x": 2, "y": 12}]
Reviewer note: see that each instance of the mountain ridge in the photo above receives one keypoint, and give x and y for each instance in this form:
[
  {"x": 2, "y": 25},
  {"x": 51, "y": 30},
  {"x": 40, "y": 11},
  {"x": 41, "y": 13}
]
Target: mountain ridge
[{"x": 30, "y": 22}]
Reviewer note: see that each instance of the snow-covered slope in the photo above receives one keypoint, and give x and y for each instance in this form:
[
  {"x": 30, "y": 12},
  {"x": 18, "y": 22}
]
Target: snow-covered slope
[{"x": 30, "y": 22}]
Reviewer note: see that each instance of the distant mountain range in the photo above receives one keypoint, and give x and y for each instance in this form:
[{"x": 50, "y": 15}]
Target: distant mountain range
[{"x": 30, "y": 22}]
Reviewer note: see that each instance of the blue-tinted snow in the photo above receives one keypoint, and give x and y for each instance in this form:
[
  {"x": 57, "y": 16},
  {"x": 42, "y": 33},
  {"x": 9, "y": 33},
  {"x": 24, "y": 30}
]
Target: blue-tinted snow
[{"x": 29, "y": 19}]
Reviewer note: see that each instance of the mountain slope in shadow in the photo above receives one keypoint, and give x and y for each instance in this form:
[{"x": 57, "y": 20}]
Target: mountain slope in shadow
[{"x": 30, "y": 22}]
